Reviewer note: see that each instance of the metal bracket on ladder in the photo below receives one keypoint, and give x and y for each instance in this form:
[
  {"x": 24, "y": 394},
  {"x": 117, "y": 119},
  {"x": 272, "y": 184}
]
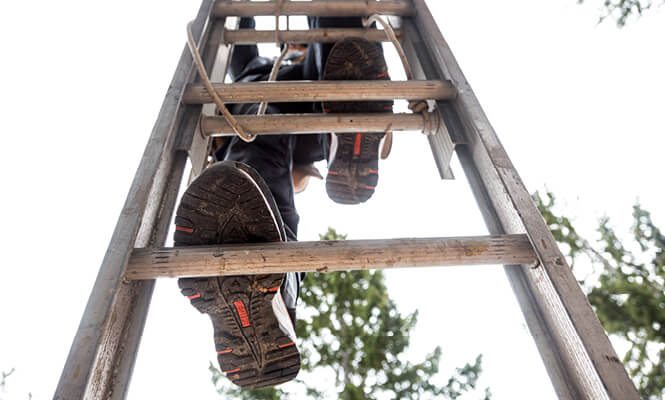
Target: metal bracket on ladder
[{"x": 573, "y": 345}]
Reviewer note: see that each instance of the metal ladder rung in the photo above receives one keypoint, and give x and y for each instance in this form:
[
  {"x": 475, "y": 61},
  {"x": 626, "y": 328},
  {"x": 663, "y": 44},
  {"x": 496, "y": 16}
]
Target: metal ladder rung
[
  {"x": 328, "y": 8},
  {"x": 306, "y": 91},
  {"x": 328, "y": 256},
  {"x": 329, "y": 35},
  {"x": 279, "y": 124}
]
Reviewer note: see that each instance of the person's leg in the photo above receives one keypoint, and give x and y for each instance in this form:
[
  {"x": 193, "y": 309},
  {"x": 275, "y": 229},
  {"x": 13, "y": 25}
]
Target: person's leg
[{"x": 271, "y": 156}]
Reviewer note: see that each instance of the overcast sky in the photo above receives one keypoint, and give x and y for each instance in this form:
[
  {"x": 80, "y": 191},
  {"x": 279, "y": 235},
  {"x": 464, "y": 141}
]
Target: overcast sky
[{"x": 578, "y": 106}]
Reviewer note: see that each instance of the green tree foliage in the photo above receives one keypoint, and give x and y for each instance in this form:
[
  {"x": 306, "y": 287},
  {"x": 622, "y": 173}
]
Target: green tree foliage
[
  {"x": 351, "y": 331},
  {"x": 622, "y": 10},
  {"x": 627, "y": 290}
]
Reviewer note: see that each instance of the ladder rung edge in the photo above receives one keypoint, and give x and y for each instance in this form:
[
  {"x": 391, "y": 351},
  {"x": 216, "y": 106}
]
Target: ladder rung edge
[
  {"x": 327, "y": 256},
  {"x": 329, "y": 35},
  {"x": 329, "y": 8},
  {"x": 278, "y": 124},
  {"x": 312, "y": 91}
]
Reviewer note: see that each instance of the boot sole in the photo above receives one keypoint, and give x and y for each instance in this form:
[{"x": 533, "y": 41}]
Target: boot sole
[
  {"x": 251, "y": 348},
  {"x": 230, "y": 203},
  {"x": 354, "y": 170}
]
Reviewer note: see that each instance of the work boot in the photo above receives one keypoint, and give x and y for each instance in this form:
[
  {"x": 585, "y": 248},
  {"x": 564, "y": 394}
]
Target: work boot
[
  {"x": 253, "y": 333},
  {"x": 353, "y": 163}
]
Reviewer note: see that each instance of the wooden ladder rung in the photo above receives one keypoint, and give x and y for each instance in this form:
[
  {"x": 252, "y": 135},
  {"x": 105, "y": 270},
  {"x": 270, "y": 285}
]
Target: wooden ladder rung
[
  {"x": 328, "y": 8},
  {"x": 328, "y": 35},
  {"x": 277, "y": 124},
  {"x": 328, "y": 256},
  {"x": 297, "y": 91}
]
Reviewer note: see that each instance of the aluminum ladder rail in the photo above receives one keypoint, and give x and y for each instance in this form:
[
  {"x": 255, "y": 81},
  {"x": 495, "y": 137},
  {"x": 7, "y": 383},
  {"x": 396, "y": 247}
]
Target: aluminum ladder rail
[{"x": 572, "y": 343}]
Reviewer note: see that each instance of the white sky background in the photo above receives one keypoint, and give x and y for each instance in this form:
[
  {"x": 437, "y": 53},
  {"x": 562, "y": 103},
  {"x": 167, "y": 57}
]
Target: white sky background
[{"x": 579, "y": 108}]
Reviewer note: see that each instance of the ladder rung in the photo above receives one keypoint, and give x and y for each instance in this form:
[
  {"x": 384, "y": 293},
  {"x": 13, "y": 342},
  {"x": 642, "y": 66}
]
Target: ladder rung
[
  {"x": 327, "y": 256},
  {"x": 328, "y": 8},
  {"x": 329, "y": 35},
  {"x": 296, "y": 91},
  {"x": 277, "y": 124}
]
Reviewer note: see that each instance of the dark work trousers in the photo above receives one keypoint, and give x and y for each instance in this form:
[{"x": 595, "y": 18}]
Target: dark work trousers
[{"x": 273, "y": 156}]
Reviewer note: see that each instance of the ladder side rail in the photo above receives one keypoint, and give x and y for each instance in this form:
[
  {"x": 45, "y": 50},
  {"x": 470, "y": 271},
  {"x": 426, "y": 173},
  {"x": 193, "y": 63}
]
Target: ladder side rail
[
  {"x": 558, "y": 369},
  {"x": 136, "y": 298},
  {"x": 155, "y": 227},
  {"x": 424, "y": 67},
  {"x": 186, "y": 146},
  {"x": 88, "y": 371},
  {"x": 581, "y": 340},
  {"x": 442, "y": 142}
]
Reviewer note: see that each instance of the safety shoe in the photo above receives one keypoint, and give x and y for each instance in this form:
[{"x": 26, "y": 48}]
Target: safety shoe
[
  {"x": 353, "y": 163},
  {"x": 253, "y": 333}
]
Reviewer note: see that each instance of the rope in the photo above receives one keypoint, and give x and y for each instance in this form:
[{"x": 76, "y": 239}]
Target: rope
[
  {"x": 277, "y": 12},
  {"x": 278, "y": 60},
  {"x": 244, "y": 135},
  {"x": 273, "y": 76},
  {"x": 418, "y": 106},
  {"x": 393, "y": 38}
]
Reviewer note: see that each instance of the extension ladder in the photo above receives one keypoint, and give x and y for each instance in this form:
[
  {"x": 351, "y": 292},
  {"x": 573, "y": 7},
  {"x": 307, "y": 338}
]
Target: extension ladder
[{"x": 572, "y": 343}]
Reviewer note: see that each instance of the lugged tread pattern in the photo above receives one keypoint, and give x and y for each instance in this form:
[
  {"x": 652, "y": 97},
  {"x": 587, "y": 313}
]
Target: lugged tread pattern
[
  {"x": 224, "y": 205},
  {"x": 353, "y": 170},
  {"x": 351, "y": 177}
]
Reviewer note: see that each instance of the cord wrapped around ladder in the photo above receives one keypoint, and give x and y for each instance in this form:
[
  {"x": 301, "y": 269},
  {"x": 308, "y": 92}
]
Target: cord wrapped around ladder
[
  {"x": 278, "y": 60},
  {"x": 420, "y": 106},
  {"x": 237, "y": 128}
]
